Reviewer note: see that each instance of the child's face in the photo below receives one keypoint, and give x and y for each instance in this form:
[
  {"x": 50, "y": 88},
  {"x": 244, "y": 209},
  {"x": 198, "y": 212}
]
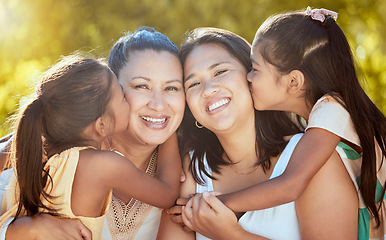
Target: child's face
[
  {"x": 267, "y": 88},
  {"x": 119, "y": 108}
]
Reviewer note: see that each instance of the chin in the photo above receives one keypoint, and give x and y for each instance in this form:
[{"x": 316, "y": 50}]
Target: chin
[{"x": 155, "y": 139}]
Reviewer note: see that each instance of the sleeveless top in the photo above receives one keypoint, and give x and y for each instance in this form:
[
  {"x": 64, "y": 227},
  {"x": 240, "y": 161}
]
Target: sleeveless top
[
  {"x": 279, "y": 222},
  {"x": 330, "y": 115},
  {"x": 61, "y": 168}
]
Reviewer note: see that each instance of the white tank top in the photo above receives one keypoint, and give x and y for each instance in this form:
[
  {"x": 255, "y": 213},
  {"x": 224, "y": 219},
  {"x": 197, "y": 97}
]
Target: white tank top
[{"x": 279, "y": 222}]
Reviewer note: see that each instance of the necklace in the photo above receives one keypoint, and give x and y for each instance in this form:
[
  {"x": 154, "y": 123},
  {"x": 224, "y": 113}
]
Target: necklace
[
  {"x": 124, "y": 220},
  {"x": 240, "y": 173}
]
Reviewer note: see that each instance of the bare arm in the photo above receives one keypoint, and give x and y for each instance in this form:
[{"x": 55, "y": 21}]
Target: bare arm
[
  {"x": 328, "y": 208},
  {"x": 160, "y": 191},
  {"x": 47, "y": 227},
  {"x": 169, "y": 229},
  {"x": 310, "y": 154}
]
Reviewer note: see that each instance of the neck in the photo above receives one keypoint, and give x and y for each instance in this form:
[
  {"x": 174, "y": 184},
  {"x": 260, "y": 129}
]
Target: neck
[
  {"x": 300, "y": 106},
  {"x": 240, "y": 143},
  {"x": 138, "y": 154}
]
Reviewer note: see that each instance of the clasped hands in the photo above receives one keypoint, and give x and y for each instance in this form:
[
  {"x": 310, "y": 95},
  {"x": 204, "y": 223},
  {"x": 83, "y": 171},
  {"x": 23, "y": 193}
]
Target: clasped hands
[{"x": 204, "y": 213}]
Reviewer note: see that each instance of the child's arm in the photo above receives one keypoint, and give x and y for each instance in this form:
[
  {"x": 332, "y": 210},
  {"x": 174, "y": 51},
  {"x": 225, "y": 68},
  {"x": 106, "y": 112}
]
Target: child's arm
[
  {"x": 310, "y": 154},
  {"x": 46, "y": 226},
  {"x": 100, "y": 171},
  {"x": 159, "y": 191}
]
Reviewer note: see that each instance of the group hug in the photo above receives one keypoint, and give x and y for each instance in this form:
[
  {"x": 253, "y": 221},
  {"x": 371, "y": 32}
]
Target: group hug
[{"x": 215, "y": 139}]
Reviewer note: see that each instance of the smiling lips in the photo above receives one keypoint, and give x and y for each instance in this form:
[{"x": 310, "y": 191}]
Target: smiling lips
[
  {"x": 218, "y": 104},
  {"x": 154, "y": 120},
  {"x": 155, "y": 123}
]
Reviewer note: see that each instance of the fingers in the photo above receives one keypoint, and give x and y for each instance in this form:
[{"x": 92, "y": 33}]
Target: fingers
[
  {"x": 84, "y": 231},
  {"x": 177, "y": 219},
  {"x": 214, "y": 202},
  {"x": 195, "y": 204},
  {"x": 187, "y": 212},
  {"x": 182, "y": 201}
]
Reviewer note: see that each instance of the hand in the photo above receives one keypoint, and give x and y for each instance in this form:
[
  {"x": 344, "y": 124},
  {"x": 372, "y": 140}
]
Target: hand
[
  {"x": 176, "y": 210},
  {"x": 207, "y": 215},
  {"x": 46, "y": 226}
]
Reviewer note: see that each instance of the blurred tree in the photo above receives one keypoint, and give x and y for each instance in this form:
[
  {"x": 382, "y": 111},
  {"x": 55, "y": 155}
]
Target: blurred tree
[{"x": 34, "y": 34}]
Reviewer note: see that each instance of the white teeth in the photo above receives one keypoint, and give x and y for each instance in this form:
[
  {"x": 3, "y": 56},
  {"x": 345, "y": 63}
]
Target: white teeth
[
  {"x": 218, "y": 104},
  {"x": 154, "y": 120}
]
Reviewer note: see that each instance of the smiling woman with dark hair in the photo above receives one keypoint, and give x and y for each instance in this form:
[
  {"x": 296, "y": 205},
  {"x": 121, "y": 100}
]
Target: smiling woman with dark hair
[
  {"x": 148, "y": 68},
  {"x": 231, "y": 146}
]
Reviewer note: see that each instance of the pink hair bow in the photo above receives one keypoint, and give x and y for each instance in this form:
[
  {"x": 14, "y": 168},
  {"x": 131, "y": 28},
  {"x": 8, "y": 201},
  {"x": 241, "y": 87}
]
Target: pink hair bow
[{"x": 320, "y": 14}]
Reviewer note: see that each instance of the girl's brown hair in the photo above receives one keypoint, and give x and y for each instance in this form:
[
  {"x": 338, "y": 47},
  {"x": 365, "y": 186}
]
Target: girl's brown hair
[
  {"x": 71, "y": 96},
  {"x": 320, "y": 50}
]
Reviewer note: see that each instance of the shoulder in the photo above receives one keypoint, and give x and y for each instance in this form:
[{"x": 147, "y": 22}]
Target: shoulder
[
  {"x": 331, "y": 115},
  {"x": 330, "y": 200},
  {"x": 102, "y": 161},
  {"x": 326, "y": 106}
]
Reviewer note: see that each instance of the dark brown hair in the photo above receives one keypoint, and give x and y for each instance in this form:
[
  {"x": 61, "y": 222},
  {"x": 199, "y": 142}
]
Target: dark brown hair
[
  {"x": 320, "y": 50},
  {"x": 71, "y": 96},
  {"x": 144, "y": 38},
  {"x": 271, "y": 126}
]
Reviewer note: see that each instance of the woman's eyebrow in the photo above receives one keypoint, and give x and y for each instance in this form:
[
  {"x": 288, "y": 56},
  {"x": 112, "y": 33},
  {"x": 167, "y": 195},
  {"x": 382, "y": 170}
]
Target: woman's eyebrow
[
  {"x": 189, "y": 77},
  {"x": 144, "y": 78},
  {"x": 217, "y": 64},
  {"x": 210, "y": 68},
  {"x": 173, "y": 81}
]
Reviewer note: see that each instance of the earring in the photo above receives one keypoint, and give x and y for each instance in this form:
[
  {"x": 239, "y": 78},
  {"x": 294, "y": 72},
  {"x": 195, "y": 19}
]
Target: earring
[{"x": 198, "y": 125}]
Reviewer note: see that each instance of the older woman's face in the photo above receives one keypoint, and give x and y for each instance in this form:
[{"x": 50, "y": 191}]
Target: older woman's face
[
  {"x": 152, "y": 82},
  {"x": 216, "y": 88}
]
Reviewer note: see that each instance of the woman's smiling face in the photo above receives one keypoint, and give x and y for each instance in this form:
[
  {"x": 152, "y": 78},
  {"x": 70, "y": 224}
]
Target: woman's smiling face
[
  {"x": 152, "y": 82},
  {"x": 216, "y": 88}
]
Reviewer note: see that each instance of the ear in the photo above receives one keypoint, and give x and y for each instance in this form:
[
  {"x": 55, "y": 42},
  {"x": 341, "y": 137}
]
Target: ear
[
  {"x": 100, "y": 127},
  {"x": 295, "y": 81}
]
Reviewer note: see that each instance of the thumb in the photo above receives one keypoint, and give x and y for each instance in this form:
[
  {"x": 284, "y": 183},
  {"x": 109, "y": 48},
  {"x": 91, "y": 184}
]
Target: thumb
[
  {"x": 182, "y": 176},
  {"x": 214, "y": 202}
]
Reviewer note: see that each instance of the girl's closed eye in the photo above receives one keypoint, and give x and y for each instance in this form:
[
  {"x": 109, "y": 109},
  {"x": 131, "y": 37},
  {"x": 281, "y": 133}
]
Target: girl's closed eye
[
  {"x": 193, "y": 84},
  {"x": 218, "y": 73}
]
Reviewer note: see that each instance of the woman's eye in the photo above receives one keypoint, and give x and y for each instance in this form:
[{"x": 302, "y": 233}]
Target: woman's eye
[
  {"x": 193, "y": 85},
  {"x": 141, "y": 87},
  {"x": 254, "y": 69},
  {"x": 220, "y": 72},
  {"x": 171, "y": 88}
]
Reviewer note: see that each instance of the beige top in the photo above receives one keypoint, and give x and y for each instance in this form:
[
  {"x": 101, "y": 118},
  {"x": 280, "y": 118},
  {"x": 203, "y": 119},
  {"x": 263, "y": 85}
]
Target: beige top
[{"x": 62, "y": 169}]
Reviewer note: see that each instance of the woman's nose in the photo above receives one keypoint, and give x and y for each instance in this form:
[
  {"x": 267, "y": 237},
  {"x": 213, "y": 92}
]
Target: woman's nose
[
  {"x": 156, "y": 101},
  {"x": 210, "y": 89}
]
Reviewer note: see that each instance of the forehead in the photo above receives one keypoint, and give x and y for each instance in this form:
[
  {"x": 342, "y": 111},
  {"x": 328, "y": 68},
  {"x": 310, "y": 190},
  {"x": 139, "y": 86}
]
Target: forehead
[
  {"x": 204, "y": 56},
  {"x": 150, "y": 63}
]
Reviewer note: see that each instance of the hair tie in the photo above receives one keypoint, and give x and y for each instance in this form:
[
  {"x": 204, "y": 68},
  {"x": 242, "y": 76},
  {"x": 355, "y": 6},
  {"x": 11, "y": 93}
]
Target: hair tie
[
  {"x": 327, "y": 22},
  {"x": 322, "y": 15}
]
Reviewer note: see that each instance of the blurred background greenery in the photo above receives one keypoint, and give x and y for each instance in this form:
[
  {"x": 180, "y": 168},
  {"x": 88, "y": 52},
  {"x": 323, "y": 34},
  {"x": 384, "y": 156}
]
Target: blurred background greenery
[{"x": 34, "y": 34}]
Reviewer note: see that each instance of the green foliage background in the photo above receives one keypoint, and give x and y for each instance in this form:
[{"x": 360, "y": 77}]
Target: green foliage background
[{"x": 34, "y": 34}]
